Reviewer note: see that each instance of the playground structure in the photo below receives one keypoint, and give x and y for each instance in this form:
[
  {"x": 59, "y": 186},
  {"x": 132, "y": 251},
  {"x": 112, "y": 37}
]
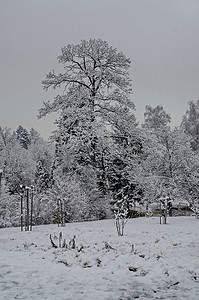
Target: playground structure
[
  {"x": 159, "y": 208},
  {"x": 26, "y": 199},
  {"x": 182, "y": 208},
  {"x": 137, "y": 211},
  {"x": 176, "y": 208}
]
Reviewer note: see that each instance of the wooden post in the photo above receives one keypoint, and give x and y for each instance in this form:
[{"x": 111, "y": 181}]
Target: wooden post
[
  {"x": 22, "y": 210},
  {"x": 31, "y": 206},
  {"x": 27, "y": 202},
  {"x": 165, "y": 210},
  {"x": 1, "y": 172},
  {"x": 160, "y": 213}
]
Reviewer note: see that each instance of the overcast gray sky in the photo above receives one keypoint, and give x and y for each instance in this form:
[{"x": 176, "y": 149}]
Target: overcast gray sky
[{"x": 160, "y": 36}]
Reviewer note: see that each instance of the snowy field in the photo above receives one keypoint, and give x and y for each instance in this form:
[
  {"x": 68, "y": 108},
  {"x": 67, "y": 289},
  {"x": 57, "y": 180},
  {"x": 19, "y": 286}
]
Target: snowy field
[{"x": 151, "y": 261}]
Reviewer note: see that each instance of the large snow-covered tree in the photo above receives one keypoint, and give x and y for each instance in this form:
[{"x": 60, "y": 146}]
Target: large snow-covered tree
[
  {"x": 190, "y": 124},
  {"x": 156, "y": 165},
  {"x": 170, "y": 164},
  {"x": 93, "y": 107},
  {"x": 96, "y": 71},
  {"x": 95, "y": 82}
]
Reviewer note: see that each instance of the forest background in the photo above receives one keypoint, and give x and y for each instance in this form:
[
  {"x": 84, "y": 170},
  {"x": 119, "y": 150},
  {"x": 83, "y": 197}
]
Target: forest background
[{"x": 99, "y": 152}]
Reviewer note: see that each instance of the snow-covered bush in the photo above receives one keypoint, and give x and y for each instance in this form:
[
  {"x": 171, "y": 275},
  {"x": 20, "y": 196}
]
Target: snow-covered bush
[{"x": 9, "y": 210}]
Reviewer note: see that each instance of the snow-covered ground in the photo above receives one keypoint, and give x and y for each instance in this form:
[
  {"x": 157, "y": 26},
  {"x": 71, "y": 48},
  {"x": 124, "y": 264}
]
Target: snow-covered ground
[{"x": 151, "y": 261}]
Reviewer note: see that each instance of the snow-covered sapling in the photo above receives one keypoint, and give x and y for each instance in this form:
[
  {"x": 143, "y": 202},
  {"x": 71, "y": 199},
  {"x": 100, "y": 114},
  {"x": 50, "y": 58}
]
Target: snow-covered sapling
[
  {"x": 121, "y": 212},
  {"x": 164, "y": 209}
]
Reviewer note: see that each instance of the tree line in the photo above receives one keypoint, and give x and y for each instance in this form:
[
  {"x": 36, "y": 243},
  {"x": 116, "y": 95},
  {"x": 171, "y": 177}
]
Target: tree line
[{"x": 99, "y": 154}]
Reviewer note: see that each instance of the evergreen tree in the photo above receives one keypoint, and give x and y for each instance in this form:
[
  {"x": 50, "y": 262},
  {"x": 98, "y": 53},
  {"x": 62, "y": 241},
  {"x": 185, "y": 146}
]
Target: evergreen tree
[
  {"x": 43, "y": 178},
  {"x": 23, "y": 137}
]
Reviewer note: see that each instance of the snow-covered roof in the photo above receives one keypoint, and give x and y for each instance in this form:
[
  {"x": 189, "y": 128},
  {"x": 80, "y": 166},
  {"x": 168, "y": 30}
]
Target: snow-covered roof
[{"x": 180, "y": 204}]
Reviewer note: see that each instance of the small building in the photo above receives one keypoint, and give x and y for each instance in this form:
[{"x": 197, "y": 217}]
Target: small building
[{"x": 181, "y": 208}]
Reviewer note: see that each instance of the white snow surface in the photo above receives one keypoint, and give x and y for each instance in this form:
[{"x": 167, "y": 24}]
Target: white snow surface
[{"x": 151, "y": 261}]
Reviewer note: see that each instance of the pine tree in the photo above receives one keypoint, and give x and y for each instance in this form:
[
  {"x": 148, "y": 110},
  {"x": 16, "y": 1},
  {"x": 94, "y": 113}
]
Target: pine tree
[{"x": 23, "y": 137}]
